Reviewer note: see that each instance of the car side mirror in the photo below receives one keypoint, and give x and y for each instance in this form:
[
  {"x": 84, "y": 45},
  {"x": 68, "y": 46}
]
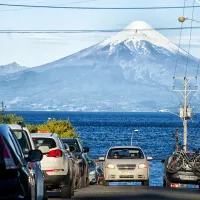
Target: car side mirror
[
  {"x": 149, "y": 158},
  {"x": 34, "y": 156},
  {"x": 72, "y": 148},
  {"x": 101, "y": 159},
  {"x": 44, "y": 149},
  {"x": 86, "y": 150}
]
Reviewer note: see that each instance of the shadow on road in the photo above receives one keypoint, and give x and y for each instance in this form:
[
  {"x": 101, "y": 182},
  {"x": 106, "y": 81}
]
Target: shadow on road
[{"x": 135, "y": 193}]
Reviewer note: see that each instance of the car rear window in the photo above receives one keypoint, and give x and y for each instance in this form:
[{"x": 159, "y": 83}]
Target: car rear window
[
  {"x": 44, "y": 142},
  {"x": 74, "y": 143},
  {"x": 125, "y": 153}
]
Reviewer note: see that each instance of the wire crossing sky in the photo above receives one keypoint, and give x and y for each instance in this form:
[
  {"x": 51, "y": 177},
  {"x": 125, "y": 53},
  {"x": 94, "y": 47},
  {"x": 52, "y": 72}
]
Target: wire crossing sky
[
  {"x": 36, "y": 32},
  {"x": 95, "y": 8}
]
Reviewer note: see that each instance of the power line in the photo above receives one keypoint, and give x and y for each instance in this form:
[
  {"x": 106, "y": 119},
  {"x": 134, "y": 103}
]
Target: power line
[
  {"x": 77, "y": 2},
  {"x": 96, "y": 8},
  {"x": 91, "y": 30},
  {"x": 179, "y": 44},
  {"x": 190, "y": 39}
]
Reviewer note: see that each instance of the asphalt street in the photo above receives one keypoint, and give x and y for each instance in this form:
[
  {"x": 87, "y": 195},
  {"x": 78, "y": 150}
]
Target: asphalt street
[{"x": 131, "y": 192}]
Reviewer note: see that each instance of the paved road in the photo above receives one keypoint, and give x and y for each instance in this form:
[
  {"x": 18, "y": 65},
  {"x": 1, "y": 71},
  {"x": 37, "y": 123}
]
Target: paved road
[{"x": 132, "y": 193}]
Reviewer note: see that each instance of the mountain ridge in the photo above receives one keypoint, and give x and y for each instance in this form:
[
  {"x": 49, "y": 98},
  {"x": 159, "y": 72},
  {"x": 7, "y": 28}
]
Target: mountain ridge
[{"x": 126, "y": 75}]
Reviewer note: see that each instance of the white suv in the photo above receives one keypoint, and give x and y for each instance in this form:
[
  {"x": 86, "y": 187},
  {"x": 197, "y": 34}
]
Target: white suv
[
  {"x": 126, "y": 163},
  {"x": 55, "y": 163}
]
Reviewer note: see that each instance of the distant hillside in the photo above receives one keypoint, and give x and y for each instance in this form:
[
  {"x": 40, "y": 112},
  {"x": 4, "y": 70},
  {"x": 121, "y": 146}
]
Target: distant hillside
[{"x": 10, "y": 68}]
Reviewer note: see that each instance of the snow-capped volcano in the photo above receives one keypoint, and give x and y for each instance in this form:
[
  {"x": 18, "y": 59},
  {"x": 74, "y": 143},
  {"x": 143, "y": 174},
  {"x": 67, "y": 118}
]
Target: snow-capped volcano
[
  {"x": 140, "y": 31},
  {"x": 132, "y": 70}
]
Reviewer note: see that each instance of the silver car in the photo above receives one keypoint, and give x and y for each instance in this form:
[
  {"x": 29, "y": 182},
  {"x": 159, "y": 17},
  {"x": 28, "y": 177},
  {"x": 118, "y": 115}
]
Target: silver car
[
  {"x": 126, "y": 163},
  {"x": 24, "y": 138}
]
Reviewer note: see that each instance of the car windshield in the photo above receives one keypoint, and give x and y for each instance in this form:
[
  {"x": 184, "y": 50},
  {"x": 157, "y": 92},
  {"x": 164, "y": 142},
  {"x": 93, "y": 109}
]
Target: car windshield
[
  {"x": 125, "y": 153},
  {"x": 44, "y": 142},
  {"x": 23, "y": 140},
  {"x": 72, "y": 142}
]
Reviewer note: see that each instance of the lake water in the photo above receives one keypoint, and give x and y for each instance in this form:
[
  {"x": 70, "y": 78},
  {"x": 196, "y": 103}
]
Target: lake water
[{"x": 100, "y": 131}]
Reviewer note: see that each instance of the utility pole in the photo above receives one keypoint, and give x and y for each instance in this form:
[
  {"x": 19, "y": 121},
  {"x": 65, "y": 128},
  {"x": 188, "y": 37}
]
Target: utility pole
[{"x": 185, "y": 111}]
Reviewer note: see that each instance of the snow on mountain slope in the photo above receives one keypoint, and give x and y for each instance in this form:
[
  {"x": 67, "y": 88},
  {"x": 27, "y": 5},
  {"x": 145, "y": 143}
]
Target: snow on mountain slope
[
  {"x": 10, "y": 68},
  {"x": 140, "y": 31}
]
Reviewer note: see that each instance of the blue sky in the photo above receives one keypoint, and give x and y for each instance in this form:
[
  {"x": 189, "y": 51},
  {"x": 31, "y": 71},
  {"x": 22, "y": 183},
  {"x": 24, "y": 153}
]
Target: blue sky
[{"x": 36, "y": 49}]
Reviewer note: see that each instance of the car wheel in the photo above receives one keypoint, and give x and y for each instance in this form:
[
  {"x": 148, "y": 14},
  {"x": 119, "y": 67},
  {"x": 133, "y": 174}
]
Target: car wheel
[
  {"x": 105, "y": 183},
  {"x": 168, "y": 184},
  {"x": 78, "y": 184},
  {"x": 72, "y": 188},
  {"x": 164, "y": 183},
  {"x": 65, "y": 192},
  {"x": 145, "y": 183},
  {"x": 45, "y": 197},
  {"x": 87, "y": 182},
  {"x": 83, "y": 181}
]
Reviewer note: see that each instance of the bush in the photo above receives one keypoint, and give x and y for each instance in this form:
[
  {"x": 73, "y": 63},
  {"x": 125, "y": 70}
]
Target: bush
[
  {"x": 10, "y": 119},
  {"x": 62, "y": 127}
]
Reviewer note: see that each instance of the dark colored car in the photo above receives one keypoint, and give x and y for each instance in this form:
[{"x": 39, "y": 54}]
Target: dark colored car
[
  {"x": 186, "y": 176},
  {"x": 25, "y": 141},
  {"x": 16, "y": 179},
  {"x": 74, "y": 164},
  {"x": 81, "y": 154}
]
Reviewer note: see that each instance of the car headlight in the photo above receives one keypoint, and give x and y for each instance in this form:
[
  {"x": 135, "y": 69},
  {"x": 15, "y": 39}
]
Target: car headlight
[
  {"x": 92, "y": 172},
  {"x": 142, "y": 166},
  {"x": 110, "y": 166}
]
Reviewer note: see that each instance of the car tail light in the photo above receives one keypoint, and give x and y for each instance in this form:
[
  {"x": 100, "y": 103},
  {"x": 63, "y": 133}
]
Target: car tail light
[
  {"x": 55, "y": 153},
  {"x": 101, "y": 176},
  {"x": 7, "y": 156},
  {"x": 32, "y": 164}
]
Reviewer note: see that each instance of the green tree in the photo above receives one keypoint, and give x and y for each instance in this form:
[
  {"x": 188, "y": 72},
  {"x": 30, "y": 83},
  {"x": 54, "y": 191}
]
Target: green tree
[
  {"x": 62, "y": 127},
  {"x": 8, "y": 118}
]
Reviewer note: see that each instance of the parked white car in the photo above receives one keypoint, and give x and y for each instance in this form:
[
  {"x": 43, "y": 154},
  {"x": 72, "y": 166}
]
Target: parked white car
[
  {"x": 55, "y": 163},
  {"x": 126, "y": 163}
]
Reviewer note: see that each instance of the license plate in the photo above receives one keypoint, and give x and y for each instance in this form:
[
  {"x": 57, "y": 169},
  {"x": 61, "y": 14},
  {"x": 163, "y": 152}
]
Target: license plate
[
  {"x": 126, "y": 173},
  {"x": 193, "y": 178}
]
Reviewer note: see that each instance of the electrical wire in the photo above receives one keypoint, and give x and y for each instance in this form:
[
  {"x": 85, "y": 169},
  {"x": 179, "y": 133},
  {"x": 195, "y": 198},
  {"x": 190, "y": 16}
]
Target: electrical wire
[
  {"x": 93, "y": 30},
  {"x": 179, "y": 44},
  {"x": 196, "y": 79},
  {"x": 190, "y": 39},
  {"x": 96, "y": 8},
  {"x": 77, "y": 2}
]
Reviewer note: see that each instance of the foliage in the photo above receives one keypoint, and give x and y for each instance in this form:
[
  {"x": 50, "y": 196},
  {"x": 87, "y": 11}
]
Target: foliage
[
  {"x": 62, "y": 127},
  {"x": 10, "y": 119}
]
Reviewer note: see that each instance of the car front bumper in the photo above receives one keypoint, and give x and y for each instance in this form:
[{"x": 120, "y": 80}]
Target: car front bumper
[{"x": 126, "y": 175}]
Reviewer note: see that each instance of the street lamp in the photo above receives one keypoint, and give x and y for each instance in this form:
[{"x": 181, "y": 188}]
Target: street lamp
[
  {"x": 183, "y": 19},
  {"x": 132, "y": 136}
]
